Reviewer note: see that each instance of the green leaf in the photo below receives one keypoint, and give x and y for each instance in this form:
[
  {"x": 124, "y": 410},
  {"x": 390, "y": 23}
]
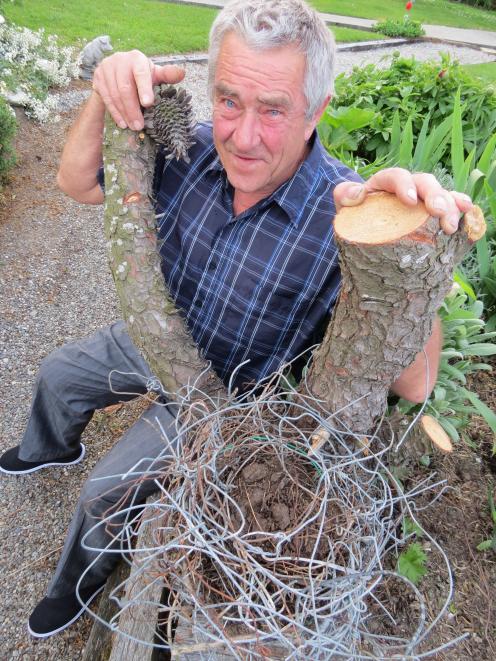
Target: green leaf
[
  {"x": 483, "y": 257},
  {"x": 480, "y": 350},
  {"x": 455, "y": 373},
  {"x": 406, "y": 146},
  {"x": 457, "y": 149},
  {"x": 464, "y": 285},
  {"x": 485, "y": 545},
  {"x": 482, "y": 337},
  {"x": 484, "y": 410},
  {"x": 449, "y": 428},
  {"x": 411, "y": 527},
  {"x": 412, "y": 563},
  {"x": 484, "y": 162}
]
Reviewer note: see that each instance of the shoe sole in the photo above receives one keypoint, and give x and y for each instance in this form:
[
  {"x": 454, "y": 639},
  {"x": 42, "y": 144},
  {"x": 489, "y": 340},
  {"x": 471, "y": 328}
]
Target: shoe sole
[
  {"x": 67, "y": 624},
  {"x": 53, "y": 463}
]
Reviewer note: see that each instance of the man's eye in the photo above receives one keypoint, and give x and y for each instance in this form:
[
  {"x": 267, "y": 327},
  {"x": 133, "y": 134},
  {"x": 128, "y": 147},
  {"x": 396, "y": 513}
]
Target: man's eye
[
  {"x": 273, "y": 112},
  {"x": 229, "y": 103}
]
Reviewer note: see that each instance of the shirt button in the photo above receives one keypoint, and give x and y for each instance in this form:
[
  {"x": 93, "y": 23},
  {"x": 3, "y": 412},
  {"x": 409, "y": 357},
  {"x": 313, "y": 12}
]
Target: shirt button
[
  {"x": 198, "y": 303},
  {"x": 212, "y": 265}
]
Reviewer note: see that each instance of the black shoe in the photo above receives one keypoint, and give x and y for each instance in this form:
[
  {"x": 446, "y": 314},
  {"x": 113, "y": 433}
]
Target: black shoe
[
  {"x": 11, "y": 464},
  {"x": 52, "y": 615}
]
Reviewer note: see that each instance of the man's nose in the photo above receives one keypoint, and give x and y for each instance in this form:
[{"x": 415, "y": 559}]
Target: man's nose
[{"x": 246, "y": 135}]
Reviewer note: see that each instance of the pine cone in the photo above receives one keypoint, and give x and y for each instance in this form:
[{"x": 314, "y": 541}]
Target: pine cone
[{"x": 170, "y": 121}]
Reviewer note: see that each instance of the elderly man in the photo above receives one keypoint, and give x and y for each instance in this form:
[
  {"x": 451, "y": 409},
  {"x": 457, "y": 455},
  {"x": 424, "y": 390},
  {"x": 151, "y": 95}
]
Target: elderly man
[{"x": 247, "y": 249}]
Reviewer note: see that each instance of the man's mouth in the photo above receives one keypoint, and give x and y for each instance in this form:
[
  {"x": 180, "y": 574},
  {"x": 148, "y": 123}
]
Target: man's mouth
[{"x": 246, "y": 159}]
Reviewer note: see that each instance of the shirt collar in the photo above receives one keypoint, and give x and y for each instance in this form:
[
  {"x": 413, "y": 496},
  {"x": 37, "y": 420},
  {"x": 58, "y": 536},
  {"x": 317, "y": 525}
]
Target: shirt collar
[{"x": 293, "y": 193}]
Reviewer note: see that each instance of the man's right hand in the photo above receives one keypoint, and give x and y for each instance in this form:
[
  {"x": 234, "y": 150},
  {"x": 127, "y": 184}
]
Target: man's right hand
[{"x": 124, "y": 82}]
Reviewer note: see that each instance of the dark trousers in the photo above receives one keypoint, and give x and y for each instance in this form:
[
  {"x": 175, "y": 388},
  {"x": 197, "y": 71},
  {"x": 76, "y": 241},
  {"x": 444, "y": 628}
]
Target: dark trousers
[{"x": 74, "y": 381}]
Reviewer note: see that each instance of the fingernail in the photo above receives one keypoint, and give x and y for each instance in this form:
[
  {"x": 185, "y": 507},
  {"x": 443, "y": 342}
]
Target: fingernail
[
  {"x": 122, "y": 124},
  {"x": 412, "y": 194},
  {"x": 354, "y": 192},
  {"x": 137, "y": 126},
  {"x": 440, "y": 203},
  {"x": 465, "y": 197},
  {"x": 146, "y": 99}
]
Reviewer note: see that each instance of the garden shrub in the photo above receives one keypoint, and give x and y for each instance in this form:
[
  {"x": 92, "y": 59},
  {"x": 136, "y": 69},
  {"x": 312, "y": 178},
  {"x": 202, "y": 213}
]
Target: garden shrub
[
  {"x": 416, "y": 90},
  {"x": 405, "y": 28},
  {"x": 8, "y": 127},
  {"x": 31, "y": 62}
]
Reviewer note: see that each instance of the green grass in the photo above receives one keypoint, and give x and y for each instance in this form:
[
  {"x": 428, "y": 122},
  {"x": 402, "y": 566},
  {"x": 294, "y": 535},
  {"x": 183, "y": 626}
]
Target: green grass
[
  {"x": 435, "y": 12},
  {"x": 345, "y": 35},
  {"x": 151, "y": 26},
  {"x": 486, "y": 72}
]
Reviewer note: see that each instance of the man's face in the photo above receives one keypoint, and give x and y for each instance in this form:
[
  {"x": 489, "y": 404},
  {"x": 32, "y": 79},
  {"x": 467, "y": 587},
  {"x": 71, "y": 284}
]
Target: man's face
[{"x": 259, "y": 124}]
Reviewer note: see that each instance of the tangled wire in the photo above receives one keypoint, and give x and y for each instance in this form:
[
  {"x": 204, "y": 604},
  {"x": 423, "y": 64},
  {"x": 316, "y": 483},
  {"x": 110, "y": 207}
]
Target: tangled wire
[{"x": 269, "y": 547}]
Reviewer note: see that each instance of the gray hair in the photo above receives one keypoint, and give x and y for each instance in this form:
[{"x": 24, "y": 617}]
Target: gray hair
[{"x": 265, "y": 24}]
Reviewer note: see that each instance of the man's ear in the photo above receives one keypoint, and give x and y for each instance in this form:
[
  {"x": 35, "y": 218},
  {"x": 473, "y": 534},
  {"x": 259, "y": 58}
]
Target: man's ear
[{"x": 312, "y": 123}]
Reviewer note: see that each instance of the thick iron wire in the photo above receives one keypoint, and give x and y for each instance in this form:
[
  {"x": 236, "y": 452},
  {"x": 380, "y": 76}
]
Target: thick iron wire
[{"x": 269, "y": 547}]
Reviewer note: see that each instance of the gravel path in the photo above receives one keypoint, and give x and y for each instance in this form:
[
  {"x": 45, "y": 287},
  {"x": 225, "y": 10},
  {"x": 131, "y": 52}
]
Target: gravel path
[{"x": 55, "y": 287}]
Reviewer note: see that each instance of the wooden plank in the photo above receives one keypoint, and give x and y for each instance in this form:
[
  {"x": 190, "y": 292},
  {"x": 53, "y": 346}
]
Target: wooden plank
[
  {"x": 140, "y": 620},
  {"x": 99, "y": 643}
]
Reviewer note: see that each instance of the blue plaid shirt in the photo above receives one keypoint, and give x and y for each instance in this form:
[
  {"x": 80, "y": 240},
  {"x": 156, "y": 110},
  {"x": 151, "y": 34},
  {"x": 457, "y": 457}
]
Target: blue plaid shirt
[{"x": 255, "y": 287}]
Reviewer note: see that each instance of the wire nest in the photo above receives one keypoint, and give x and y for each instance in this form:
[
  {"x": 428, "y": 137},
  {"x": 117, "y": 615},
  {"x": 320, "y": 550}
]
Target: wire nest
[{"x": 268, "y": 547}]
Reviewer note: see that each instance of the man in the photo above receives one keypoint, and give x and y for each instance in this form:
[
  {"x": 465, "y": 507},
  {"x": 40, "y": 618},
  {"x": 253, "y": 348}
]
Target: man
[{"x": 247, "y": 251}]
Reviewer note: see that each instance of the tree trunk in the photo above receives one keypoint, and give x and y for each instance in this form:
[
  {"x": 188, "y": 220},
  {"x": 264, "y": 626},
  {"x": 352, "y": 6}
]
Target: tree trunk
[
  {"x": 153, "y": 321},
  {"x": 396, "y": 267}
]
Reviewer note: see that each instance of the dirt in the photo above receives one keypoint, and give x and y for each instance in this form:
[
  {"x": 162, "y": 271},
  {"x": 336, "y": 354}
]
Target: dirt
[
  {"x": 266, "y": 494},
  {"x": 459, "y": 520}
]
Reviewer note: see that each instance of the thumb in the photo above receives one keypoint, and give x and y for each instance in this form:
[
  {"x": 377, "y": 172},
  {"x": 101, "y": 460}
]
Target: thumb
[
  {"x": 169, "y": 73},
  {"x": 348, "y": 194}
]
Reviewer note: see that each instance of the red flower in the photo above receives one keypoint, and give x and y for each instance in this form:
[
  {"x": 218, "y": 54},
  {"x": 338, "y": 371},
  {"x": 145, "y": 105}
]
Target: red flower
[{"x": 408, "y": 6}]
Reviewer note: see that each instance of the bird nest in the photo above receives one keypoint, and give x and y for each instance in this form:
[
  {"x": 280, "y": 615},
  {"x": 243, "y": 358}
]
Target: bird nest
[{"x": 268, "y": 546}]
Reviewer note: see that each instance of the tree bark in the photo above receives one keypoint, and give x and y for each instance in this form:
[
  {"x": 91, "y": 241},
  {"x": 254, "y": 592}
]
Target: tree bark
[
  {"x": 397, "y": 266},
  {"x": 153, "y": 321}
]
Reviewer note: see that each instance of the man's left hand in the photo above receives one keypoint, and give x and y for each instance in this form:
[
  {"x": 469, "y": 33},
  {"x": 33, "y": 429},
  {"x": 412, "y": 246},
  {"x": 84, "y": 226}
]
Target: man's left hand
[{"x": 448, "y": 206}]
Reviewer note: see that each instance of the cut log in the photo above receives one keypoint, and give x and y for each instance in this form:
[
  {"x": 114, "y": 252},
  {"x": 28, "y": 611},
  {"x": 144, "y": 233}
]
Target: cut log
[
  {"x": 439, "y": 438},
  {"x": 397, "y": 266}
]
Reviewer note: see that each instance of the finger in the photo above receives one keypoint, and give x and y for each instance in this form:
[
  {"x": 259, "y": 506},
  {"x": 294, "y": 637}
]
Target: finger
[
  {"x": 438, "y": 201},
  {"x": 398, "y": 181},
  {"x": 169, "y": 73},
  {"x": 128, "y": 94},
  {"x": 348, "y": 194},
  {"x": 142, "y": 76},
  {"x": 113, "y": 94},
  {"x": 101, "y": 87},
  {"x": 462, "y": 201}
]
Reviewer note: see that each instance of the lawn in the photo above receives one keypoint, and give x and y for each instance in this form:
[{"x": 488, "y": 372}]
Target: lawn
[
  {"x": 486, "y": 72},
  {"x": 152, "y": 26},
  {"x": 437, "y": 12},
  {"x": 345, "y": 35}
]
